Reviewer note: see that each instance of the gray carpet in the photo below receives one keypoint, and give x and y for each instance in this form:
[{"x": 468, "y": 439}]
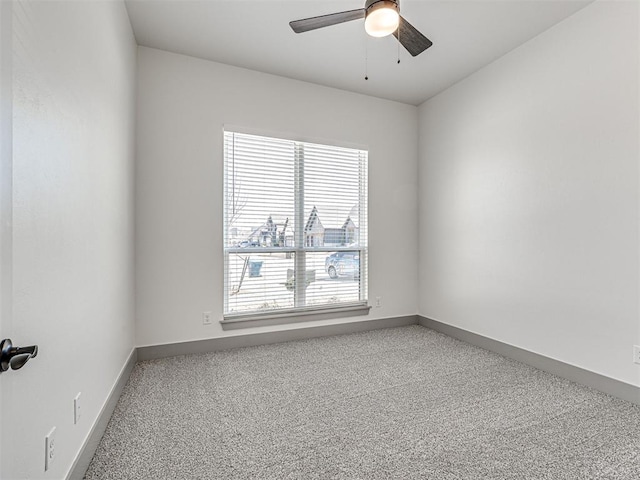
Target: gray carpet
[{"x": 397, "y": 403}]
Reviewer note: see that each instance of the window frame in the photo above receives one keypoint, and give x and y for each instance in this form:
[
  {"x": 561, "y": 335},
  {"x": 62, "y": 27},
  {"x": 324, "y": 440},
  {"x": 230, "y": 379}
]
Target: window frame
[{"x": 300, "y": 311}]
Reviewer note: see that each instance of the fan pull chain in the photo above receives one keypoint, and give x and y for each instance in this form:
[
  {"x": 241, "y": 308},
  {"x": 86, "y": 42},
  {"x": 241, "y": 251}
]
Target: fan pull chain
[
  {"x": 398, "y": 44},
  {"x": 366, "y": 59}
]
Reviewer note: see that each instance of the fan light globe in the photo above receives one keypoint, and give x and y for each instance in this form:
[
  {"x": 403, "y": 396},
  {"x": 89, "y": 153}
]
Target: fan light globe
[{"x": 382, "y": 21}]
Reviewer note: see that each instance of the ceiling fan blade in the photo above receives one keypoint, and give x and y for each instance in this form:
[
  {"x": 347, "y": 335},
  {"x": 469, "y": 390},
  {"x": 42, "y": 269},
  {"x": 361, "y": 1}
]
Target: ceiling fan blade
[
  {"x": 411, "y": 38},
  {"x": 300, "y": 26}
]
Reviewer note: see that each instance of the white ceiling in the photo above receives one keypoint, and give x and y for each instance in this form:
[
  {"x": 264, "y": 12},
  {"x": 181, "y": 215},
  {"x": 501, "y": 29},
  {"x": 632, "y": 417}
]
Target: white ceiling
[{"x": 255, "y": 34}]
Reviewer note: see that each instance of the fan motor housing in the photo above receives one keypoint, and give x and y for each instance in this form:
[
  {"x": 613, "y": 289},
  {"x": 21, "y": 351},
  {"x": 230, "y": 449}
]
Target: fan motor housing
[{"x": 372, "y": 5}]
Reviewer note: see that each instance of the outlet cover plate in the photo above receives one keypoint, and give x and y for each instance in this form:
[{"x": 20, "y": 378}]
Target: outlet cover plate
[
  {"x": 49, "y": 449},
  {"x": 636, "y": 354},
  {"x": 77, "y": 410}
]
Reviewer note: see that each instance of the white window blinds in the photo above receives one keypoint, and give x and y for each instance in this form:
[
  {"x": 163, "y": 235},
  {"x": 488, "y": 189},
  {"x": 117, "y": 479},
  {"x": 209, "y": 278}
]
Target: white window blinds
[{"x": 293, "y": 210}]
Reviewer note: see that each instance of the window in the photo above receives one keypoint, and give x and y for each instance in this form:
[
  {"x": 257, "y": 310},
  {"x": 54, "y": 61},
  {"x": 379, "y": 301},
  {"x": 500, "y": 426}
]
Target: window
[{"x": 295, "y": 227}]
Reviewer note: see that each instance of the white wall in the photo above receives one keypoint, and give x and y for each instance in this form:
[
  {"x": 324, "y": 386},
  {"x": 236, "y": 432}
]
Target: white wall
[
  {"x": 183, "y": 103},
  {"x": 6, "y": 100},
  {"x": 73, "y": 141},
  {"x": 528, "y": 199}
]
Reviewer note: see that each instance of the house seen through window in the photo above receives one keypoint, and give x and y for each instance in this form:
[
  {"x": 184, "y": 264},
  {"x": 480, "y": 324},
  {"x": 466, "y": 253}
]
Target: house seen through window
[{"x": 295, "y": 225}]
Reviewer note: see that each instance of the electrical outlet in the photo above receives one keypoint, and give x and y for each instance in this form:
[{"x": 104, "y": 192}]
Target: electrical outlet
[
  {"x": 49, "y": 449},
  {"x": 636, "y": 354},
  {"x": 378, "y": 302},
  {"x": 206, "y": 318},
  {"x": 77, "y": 411}
]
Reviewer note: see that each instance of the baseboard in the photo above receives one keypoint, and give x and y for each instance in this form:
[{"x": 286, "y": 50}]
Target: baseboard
[
  {"x": 599, "y": 382},
  {"x": 80, "y": 465},
  {"x": 249, "y": 340},
  {"x": 82, "y": 461},
  {"x": 611, "y": 386}
]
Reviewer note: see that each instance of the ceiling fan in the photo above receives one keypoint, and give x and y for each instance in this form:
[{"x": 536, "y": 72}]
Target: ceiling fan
[{"x": 381, "y": 18}]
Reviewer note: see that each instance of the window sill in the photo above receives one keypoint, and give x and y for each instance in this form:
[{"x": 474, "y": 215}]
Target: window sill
[{"x": 233, "y": 322}]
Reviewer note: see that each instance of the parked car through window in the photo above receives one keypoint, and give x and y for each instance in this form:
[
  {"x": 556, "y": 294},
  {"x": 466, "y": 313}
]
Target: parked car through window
[{"x": 343, "y": 264}]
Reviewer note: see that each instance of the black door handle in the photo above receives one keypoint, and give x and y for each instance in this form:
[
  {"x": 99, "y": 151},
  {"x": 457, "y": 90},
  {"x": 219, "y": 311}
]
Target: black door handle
[{"x": 15, "y": 357}]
